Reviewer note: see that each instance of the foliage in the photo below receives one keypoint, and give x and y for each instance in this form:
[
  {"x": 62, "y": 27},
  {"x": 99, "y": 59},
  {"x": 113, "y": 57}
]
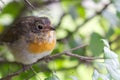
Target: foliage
[
  {"x": 111, "y": 64},
  {"x": 77, "y": 22}
]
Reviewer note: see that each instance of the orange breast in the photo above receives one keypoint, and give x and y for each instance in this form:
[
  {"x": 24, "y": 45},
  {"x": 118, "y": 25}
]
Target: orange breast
[{"x": 37, "y": 48}]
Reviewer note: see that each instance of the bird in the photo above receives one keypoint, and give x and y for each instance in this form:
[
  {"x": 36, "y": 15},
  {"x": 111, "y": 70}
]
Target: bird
[{"x": 30, "y": 39}]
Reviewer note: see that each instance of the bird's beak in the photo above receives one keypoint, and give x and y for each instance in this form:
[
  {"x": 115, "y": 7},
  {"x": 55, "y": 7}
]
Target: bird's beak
[{"x": 51, "y": 28}]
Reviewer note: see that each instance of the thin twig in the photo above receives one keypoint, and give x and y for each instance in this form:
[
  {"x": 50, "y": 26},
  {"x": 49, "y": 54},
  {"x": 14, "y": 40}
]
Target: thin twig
[
  {"x": 27, "y": 67},
  {"x": 60, "y": 20},
  {"x": 55, "y": 56},
  {"x": 87, "y": 20},
  {"x": 2, "y": 2},
  {"x": 97, "y": 13},
  {"x": 59, "y": 54},
  {"x": 67, "y": 52},
  {"x": 29, "y": 3},
  {"x": 1, "y": 6},
  {"x": 11, "y": 75},
  {"x": 81, "y": 57}
]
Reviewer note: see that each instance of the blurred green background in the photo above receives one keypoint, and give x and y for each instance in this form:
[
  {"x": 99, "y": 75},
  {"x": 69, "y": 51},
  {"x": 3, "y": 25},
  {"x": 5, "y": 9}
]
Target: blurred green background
[{"x": 77, "y": 22}]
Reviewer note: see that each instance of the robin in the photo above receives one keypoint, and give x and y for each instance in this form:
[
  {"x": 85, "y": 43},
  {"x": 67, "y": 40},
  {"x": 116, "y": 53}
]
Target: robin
[{"x": 30, "y": 39}]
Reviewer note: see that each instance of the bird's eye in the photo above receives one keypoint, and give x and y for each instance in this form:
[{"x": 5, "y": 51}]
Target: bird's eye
[
  {"x": 37, "y": 27},
  {"x": 40, "y": 27}
]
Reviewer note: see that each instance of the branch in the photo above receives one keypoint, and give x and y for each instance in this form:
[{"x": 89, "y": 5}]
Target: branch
[
  {"x": 29, "y": 4},
  {"x": 37, "y": 4},
  {"x": 60, "y": 21},
  {"x": 45, "y": 3},
  {"x": 59, "y": 54},
  {"x": 2, "y": 3},
  {"x": 55, "y": 56},
  {"x": 81, "y": 57},
  {"x": 87, "y": 20},
  {"x": 8, "y": 77},
  {"x": 67, "y": 52}
]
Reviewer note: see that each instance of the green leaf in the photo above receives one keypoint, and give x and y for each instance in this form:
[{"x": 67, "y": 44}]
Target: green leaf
[
  {"x": 96, "y": 45},
  {"x": 95, "y": 75},
  {"x": 53, "y": 77},
  {"x": 81, "y": 11},
  {"x": 106, "y": 43},
  {"x": 75, "y": 41},
  {"x": 104, "y": 77},
  {"x": 109, "y": 33},
  {"x": 73, "y": 13},
  {"x": 74, "y": 77},
  {"x": 118, "y": 14},
  {"x": 111, "y": 63},
  {"x": 7, "y": 68},
  {"x": 114, "y": 72},
  {"x": 13, "y": 8},
  {"x": 104, "y": 23},
  {"x": 67, "y": 3},
  {"x": 109, "y": 53},
  {"x": 96, "y": 1},
  {"x": 116, "y": 4},
  {"x": 111, "y": 17}
]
